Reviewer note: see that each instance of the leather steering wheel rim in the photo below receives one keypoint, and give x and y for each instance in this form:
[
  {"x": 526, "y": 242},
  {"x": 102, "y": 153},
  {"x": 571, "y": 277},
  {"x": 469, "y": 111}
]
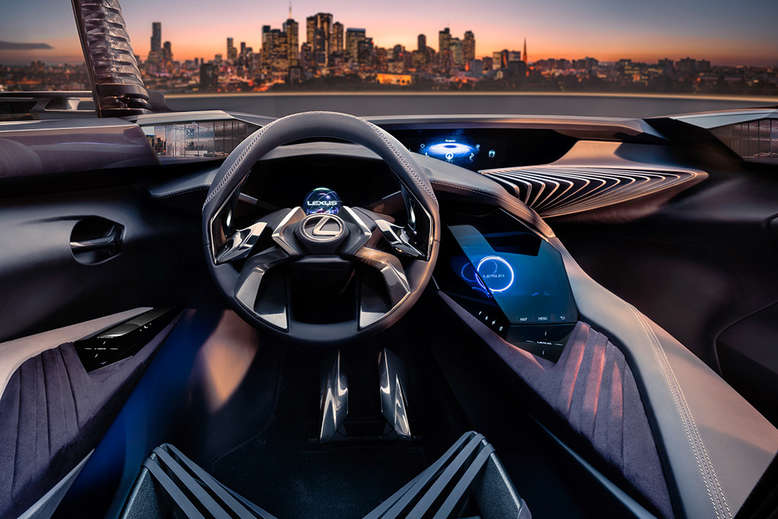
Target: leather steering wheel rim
[{"x": 312, "y": 125}]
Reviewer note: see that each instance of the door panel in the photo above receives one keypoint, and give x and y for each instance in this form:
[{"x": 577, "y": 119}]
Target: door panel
[{"x": 72, "y": 257}]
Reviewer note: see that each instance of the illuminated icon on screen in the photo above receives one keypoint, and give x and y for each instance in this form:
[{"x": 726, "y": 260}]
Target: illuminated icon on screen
[
  {"x": 450, "y": 150},
  {"x": 496, "y": 273},
  {"x": 491, "y": 154}
]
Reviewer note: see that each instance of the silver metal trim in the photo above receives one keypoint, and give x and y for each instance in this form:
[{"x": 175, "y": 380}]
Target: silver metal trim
[
  {"x": 355, "y": 217},
  {"x": 394, "y": 405},
  {"x": 333, "y": 400},
  {"x": 241, "y": 242},
  {"x": 398, "y": 239},
  {"x": 318, "y": 233},
  {"x": 293, "y": 216}
]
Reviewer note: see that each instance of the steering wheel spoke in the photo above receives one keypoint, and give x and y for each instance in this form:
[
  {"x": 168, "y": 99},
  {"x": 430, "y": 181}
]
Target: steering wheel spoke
[
  {"x": 398, "y": 238},
  {"x": 372, "y": 305},
  {"x": 269, "y": 302},
  {"x": 271, "y": 306},
  {"x": 241, "y": 242}
]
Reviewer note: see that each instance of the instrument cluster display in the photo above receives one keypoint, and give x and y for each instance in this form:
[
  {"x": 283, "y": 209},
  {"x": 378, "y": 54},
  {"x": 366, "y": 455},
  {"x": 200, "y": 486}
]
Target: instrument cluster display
[
  {"x": 486, "y": 148},
  {"x": 453, "y": 150}
]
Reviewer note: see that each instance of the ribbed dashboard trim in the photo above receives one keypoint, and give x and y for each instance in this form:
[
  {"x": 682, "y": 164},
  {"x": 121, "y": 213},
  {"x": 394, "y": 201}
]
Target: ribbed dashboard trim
[{"x": 556, "y": 190}]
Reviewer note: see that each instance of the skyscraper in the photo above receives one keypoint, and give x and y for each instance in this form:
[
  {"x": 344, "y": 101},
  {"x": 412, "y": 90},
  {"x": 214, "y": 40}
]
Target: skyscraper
[
  {"x": 444, "y": 49},
  {"x": 266, "y": 42},
  {"x": 468, "y": 47},
  {"x": 444, "y": 37},
  {"x": 292, "y": 30},
  {"x": 167, "y": 52},
  {"x": 365, "y": 51},
  {"x": 421, "y": 43},
  {"x": 318, "y": 33},
  {"x": 232, "y": 52},
  {"x": 353, "y": 37},
  {"x": 456, "y": 48},
  {"x": 336, "y": 38},
  {"x": 156, "y": 36},
  {"x": 279, "y": 54}
]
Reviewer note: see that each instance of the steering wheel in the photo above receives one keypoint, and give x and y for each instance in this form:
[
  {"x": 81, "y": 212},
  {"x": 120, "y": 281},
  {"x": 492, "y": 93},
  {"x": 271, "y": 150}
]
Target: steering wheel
[{"x": 323, "y": 274}]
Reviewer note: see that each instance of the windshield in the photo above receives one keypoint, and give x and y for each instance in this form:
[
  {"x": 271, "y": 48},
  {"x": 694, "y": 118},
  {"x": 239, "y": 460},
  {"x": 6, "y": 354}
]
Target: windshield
[{"x": 675, "y": 48}]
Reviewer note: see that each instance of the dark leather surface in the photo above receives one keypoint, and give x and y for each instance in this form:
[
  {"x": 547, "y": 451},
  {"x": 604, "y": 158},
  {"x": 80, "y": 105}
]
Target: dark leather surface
[
  {"x": 593, "y": 389},
  {"x": 716, "y": 444},
  {"x": 53, "y": 414}
]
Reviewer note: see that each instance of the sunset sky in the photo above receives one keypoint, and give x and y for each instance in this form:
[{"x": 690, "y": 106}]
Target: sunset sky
[{"x": 726, "y": 32}]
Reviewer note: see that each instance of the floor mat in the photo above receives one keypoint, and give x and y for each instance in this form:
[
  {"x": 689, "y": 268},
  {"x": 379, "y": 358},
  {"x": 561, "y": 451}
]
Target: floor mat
[
  {"x": 288, "y": 473},
  {"x": 319, "y": 482}
]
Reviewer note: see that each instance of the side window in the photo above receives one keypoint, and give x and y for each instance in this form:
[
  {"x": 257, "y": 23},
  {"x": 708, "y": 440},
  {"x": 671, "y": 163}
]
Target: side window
[{"x": 40, "y": 52}]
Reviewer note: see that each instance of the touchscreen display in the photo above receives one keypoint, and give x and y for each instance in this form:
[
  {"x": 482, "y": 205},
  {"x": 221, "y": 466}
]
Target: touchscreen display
[{"x": 520, "y": 272}]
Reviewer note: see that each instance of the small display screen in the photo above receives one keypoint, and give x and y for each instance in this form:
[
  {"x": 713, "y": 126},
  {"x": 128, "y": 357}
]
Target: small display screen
[
  {"x": 486, "y": 148},
  {"x": 456, "y": 150},
  {"x": 518, "y": 271}
]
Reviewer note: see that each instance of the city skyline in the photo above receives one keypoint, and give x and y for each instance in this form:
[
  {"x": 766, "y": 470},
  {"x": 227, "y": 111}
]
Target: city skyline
[{"x": 747, "y": 42}]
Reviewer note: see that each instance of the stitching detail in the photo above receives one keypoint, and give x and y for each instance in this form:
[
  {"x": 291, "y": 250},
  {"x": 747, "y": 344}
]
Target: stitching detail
[
  {"x": 406, "y": 165},
  {"x": 234, "y": 165},
  {"x": 704, "y": 464}
]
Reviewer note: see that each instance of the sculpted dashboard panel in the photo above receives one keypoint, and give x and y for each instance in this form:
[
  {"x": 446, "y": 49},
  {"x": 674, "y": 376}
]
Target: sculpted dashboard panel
[{"x": 561, "y": 190}]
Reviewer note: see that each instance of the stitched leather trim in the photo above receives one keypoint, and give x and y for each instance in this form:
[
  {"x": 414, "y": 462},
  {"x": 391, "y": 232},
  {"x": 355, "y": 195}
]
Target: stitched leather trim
[{"x": 704, "y": 464}]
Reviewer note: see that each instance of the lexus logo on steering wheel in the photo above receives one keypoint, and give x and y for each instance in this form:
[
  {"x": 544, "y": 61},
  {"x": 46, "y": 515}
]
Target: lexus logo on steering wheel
[{"x": 322, "y": 227}]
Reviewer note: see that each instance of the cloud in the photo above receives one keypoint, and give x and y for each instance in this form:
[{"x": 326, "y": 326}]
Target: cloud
[{"x": 11, "y": 45}]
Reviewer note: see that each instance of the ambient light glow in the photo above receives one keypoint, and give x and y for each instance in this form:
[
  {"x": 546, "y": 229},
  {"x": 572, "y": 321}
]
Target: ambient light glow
[
  {"x": 451, "y": 150},
  {"x": 496, "y": 272},
  {"x": 467, "y": 272}
]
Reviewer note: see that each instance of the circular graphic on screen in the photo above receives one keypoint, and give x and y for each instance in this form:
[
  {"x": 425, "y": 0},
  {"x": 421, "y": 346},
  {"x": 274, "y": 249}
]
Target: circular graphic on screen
[
  {"x": 451, "y": 150},
  {"x": 496, "y": 273},
  {"x": 322, "y": 200}
]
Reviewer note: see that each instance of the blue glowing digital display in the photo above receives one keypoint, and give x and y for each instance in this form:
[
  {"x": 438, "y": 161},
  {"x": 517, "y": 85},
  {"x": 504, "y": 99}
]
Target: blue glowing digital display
[
  {"x": 451, "y": 150},
  {"x": 494, "y": 274},
  {"x": 322, "y": 200},
  {"x": 529, "y": 284}
]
